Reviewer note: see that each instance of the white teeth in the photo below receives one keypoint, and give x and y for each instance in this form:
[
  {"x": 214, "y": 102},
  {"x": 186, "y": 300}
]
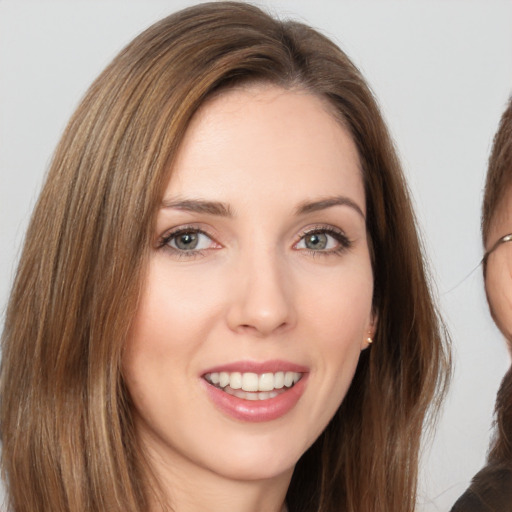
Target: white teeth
[
  {"x": 247, "y": 395},
  {"x": 253, "y": 382},
  {"x": 288, "y": 379},
  {"x": 223, "y": 379},
  {"x": 235, "y": 380},
  {"x": 250, "y": 382},
  {"x": 266, "y": 382}
]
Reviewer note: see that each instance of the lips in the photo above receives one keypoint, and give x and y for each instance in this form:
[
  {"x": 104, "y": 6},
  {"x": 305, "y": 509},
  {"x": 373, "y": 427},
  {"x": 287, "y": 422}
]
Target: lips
[{"x": 255, "y": 391}]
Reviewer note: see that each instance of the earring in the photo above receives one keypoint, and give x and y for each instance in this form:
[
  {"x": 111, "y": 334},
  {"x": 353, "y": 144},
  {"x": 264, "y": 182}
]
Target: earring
[{"x": 369, "y": 340}]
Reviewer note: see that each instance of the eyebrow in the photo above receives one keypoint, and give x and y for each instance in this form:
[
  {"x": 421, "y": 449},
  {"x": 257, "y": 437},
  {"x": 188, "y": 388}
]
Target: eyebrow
[
  {"x": 199, "y": 206},
  {"x": 223, "y": 210},
  {"x": 328, "y": 202}
]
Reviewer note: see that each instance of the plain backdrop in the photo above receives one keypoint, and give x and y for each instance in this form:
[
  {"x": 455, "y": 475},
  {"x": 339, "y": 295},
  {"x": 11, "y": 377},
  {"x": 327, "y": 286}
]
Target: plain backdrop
[{"x": 442, "y": 71}]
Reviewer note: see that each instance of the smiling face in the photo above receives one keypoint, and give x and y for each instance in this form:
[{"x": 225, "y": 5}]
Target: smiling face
[{"x": 258, "y": 295}]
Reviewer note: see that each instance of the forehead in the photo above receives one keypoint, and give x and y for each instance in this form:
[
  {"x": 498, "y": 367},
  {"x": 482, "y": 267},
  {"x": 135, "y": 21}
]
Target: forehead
[{"x": 289, "y": 140}]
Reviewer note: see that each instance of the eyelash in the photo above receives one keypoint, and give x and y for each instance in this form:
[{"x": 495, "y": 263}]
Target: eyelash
[
  {"x": 344, "y": 243},
  {"x": 184, "y": 230}
]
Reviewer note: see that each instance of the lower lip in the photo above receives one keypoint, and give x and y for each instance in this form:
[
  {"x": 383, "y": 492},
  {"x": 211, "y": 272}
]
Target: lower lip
[{"x": 257, "y": 410}]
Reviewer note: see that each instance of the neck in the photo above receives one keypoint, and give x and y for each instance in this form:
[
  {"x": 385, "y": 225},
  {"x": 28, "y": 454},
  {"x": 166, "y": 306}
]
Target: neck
[{"x": 185, "y": 487}]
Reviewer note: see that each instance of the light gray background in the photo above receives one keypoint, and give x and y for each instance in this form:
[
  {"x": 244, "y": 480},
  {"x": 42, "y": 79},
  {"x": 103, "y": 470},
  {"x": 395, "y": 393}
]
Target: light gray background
[{"x": 442, "y": 71}]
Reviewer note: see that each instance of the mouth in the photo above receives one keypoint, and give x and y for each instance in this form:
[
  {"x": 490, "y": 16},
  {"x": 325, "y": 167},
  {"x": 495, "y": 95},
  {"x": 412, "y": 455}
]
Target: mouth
[
  {"x": 253, "y": 386},
  {"x": 252, "y": 391}
]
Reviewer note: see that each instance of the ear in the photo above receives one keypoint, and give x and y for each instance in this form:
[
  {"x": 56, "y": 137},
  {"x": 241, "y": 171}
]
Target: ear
[{"x": 370, "y": 331}]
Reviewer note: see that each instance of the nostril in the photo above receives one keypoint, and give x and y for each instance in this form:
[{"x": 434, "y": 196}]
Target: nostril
[{"x": 262, "y": 330}]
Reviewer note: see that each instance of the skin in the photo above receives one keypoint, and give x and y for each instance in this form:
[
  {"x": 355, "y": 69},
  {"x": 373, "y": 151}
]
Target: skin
[
  {"x": 254, "y": 292},
  {"x": 498, "y": 277}
]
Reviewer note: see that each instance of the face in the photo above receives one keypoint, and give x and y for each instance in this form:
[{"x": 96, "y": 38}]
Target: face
[
  {"x": 498, "y": 276},
  {"x": 258, "y": 295}
]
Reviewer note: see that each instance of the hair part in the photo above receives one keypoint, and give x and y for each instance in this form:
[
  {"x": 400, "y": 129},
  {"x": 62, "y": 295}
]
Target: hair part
[{"x": 67, "y": 433}]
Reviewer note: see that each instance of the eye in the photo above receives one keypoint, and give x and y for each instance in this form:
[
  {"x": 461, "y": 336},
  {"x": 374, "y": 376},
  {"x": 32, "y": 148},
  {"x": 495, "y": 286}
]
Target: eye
[
  {"x": 188, "y": 240},
  {"x": 327, "y": 240},
  {"x": 318, "y": 241}
]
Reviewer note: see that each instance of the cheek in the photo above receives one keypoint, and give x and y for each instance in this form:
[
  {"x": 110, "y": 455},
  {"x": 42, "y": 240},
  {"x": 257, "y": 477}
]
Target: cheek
[
  {"x": 340, "y": 304},
  {"x": 337, "y": 326},
  {"x": 175, "y": 312},
  {"x": 338, "y": 316},
  {"x": 173, "y": 320}
]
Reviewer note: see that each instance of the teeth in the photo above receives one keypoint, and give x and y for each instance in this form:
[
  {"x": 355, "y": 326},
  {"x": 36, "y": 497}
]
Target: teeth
[
  {"x": 247, "y": 395},
  {"x": 235, "y": 380},
  {"x": 253, "y": 382},
  {"x": 223, "y": 379},
  {"x": 266, "y": 382},
  {"x": 250, "y": 382},
  {"x": 288, "y": 379}
]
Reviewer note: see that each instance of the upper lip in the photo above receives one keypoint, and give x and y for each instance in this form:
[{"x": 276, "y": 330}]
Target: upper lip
[{"x": 259, "y": 367}]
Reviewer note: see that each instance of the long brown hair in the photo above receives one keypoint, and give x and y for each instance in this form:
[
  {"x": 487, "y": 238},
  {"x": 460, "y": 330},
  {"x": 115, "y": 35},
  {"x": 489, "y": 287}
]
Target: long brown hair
[
  {"x": 68, "y": 439},
  {"x": 497, "y": 189}
]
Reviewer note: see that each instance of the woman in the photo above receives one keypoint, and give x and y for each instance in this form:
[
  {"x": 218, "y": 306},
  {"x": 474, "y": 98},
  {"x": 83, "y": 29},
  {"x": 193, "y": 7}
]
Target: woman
[
  {"x": 491, "y": 488},
  {"x": 222, "y": 301}
]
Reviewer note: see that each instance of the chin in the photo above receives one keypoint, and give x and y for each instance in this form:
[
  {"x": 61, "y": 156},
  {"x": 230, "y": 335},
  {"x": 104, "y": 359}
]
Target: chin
[
  {"x": 256, "y": 462},
  {"x": 244, "y": 471}
]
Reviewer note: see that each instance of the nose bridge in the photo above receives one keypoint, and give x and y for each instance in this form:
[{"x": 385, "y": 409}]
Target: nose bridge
[{"x": 261, "y": 301}]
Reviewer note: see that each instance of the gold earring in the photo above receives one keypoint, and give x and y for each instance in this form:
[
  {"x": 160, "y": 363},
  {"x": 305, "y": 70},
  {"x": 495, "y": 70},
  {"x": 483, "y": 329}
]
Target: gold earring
[{"x": 369, "y": 340}]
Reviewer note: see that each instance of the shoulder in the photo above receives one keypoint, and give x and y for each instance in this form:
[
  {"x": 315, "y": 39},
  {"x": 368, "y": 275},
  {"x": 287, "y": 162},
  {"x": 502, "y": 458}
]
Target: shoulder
[{"x": 490, "y": 491}]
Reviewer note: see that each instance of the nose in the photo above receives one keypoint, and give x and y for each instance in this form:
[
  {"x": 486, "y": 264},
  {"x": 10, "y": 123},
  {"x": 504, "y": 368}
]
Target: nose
[{"x": 261, "y": 296}]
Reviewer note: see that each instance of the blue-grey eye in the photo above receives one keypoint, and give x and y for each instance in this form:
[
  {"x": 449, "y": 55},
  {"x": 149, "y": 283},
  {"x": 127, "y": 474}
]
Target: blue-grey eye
[
  {"x": 186, "y": 241},
  {"x": 321, "y": 241},
  {"x": 189, "y": 241},
  {"x": 316, "y": 241}
]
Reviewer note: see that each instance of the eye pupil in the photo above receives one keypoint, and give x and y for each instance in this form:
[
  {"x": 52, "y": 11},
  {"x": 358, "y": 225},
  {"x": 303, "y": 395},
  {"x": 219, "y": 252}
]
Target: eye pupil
[
  {"x": 187, "y": 241},
  {"x": 316, "y": 241}
]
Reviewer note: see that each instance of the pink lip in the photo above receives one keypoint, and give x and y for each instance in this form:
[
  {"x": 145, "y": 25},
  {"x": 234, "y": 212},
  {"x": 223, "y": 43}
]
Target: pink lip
[
  {"x": 271, "y": 366},
  {"x": 257, "y": 410}
]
